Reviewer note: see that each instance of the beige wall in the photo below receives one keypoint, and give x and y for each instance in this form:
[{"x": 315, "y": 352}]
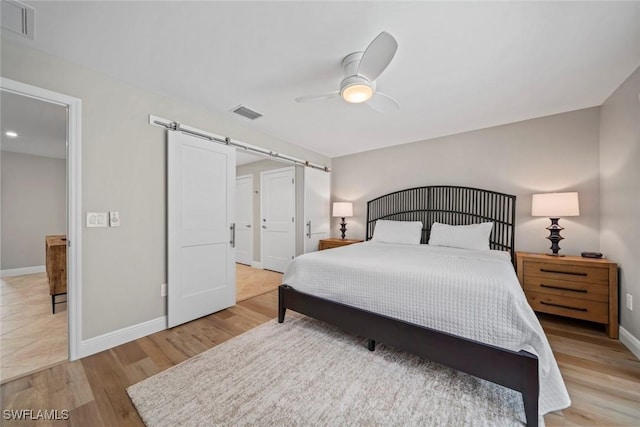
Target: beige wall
[
  {"x": 33, "y": 205},
  {"x": 123, "y": 169},
  {"x": 554, "y": 153},
  {"x": 620, "y": 192}
]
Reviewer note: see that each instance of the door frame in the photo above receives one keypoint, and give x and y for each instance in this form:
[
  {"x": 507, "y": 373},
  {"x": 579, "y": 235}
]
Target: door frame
[
  {"x": 253, "y": 209},
  {"x": 74, "y": 201},
  {"x": 295, "y": 201}
]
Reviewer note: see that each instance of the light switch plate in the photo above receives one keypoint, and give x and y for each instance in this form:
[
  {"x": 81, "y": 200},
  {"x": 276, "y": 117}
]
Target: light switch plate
[
  {"x": 97, "y": 219},
  {"x": 114, "y": 219}
]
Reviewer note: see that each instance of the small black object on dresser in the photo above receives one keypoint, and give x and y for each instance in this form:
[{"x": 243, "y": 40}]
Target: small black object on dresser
[{"x": 591, "y": 254}]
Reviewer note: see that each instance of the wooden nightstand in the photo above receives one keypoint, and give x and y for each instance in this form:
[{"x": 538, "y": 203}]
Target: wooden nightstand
[
  {"x": 571, "y": 286},
  {"x": 334, "y": 243}
]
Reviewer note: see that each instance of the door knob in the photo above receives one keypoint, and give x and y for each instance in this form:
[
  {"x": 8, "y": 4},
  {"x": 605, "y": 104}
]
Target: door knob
[
  {"x": 264, "y": 226},
  {"x": 248, "y": 225}
]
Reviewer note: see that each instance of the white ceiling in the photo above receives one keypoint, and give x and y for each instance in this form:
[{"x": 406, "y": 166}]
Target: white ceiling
[
  {"x": 459, "y": 66},
  {"x": 41, "y": 126}
]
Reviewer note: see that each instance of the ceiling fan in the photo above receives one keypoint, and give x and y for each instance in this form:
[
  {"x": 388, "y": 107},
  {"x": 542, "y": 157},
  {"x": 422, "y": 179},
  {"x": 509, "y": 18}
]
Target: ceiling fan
[{"x": 361, "y": 69}]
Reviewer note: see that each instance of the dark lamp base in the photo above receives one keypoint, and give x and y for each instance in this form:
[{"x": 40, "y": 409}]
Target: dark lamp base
[
  {"x": 343, "y": 228},
  {"x": 554, "y": 236}
]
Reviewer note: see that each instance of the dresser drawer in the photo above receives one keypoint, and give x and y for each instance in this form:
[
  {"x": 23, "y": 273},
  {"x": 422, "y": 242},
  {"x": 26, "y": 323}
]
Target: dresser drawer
[
  {"x": 335, "y": 243},
  {"x": 571, "y": 286},
  {"x": 569, "y": 272},
  {"x": 572, "y": 307},
  {"x": 566, "y": 288}
]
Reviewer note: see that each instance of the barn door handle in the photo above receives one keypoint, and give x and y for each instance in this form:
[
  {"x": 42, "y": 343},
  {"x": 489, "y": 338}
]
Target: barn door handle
[
  {"x": 232, "y": 242},
  {"x": 309, "y": 229}
]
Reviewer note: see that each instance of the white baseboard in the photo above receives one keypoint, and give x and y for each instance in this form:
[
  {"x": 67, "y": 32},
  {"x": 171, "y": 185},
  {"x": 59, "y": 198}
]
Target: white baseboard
[
  {"x": 256, "y": 264},
  {"x": 22, "y": 271},
  {"x": 630, "y": 341},
  {"x": 121, "y": 336}
]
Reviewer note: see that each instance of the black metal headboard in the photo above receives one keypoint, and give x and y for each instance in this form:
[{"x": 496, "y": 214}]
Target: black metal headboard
[{"x": 449, "y": 205}]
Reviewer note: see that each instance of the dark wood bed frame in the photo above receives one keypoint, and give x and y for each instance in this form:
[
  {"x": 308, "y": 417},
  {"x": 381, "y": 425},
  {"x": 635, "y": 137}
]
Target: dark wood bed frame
[{"x": 450, "y": 205}]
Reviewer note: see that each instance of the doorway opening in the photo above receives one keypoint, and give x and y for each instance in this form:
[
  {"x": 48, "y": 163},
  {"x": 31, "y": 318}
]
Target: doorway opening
[
  {"x": 40, "y": 222},
  {"x": 253, "y": 276}
]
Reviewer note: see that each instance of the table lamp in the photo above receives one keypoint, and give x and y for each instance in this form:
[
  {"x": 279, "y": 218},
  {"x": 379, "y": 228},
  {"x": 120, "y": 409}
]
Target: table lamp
[
  {"x": 343, "y": 210},
  {"x": 554, "y": 206}
]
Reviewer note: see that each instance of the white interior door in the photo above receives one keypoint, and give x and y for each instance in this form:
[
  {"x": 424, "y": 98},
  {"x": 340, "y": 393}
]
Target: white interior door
[
  {"x": 244, "y": 219},
  {"x": 200, "y": 198},
  {"x": 277, "y": 210},
  {"x": 317, "y": 211}
]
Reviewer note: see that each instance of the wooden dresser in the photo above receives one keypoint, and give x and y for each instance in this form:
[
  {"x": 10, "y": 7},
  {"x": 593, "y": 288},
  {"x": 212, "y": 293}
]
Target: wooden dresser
[
  {"x": 335, "y": 242},
  {"x": 581, "y": 288},
  {"x": 56, "y": 259}
]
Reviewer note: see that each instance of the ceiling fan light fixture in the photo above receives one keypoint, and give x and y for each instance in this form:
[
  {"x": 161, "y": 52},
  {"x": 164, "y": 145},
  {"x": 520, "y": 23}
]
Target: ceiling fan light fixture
[
  {"x": 361, "y": 69},
  {"x": 357, "y": 93}
]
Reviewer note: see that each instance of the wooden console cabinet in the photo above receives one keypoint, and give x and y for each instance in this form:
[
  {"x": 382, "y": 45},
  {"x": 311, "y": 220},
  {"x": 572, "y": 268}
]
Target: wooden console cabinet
[
  {"x": 571, "y": 286},
  {"x": 56, "y": 259}
]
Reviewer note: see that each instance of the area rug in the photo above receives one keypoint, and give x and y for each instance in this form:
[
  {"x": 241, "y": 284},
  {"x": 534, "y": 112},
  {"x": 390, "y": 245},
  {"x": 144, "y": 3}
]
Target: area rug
[{"x": 306, "y": 373}]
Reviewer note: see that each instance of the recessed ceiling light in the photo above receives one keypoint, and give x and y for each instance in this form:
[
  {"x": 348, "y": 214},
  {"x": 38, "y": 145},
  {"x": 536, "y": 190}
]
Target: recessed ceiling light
[{"x": 11, "y": 134}]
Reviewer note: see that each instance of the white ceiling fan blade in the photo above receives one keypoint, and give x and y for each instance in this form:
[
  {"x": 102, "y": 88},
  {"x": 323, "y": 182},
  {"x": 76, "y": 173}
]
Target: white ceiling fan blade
[
  {"x": 378, "y": 55},
  {"x": 383, "y": 103},
  {"x": 315, "y": 98}
]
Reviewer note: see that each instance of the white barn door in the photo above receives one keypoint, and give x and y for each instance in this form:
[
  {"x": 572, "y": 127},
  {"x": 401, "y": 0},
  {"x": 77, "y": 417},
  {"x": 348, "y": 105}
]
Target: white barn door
[
  {"x": 244, "y": 219},
  {"x": 278, "y": 211},
  {"x": 200, "y": 199},
  {"x": 317, "y": 212}
]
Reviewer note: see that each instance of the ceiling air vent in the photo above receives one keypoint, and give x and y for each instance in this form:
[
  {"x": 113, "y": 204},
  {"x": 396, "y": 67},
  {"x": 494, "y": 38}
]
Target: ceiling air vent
[
  {"x": 18, "y": 17},
  {"x": 246, "y": 112}
]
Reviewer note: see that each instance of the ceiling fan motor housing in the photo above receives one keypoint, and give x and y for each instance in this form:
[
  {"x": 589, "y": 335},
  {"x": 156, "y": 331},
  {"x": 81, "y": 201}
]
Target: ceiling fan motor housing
[{"x": 357, "y": 82}]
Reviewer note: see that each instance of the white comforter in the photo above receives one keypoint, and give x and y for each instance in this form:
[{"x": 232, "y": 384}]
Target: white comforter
[{"x": 472, "y": 294}]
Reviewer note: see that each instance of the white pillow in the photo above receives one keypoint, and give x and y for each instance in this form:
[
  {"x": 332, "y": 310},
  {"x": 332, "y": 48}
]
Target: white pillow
[
  {"x": 407, "y": 232},
  {"x": 473, "y": 236}
]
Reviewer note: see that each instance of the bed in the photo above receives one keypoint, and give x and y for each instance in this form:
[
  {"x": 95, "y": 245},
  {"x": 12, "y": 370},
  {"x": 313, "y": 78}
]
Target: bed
[{"x": 419, "y": 298}]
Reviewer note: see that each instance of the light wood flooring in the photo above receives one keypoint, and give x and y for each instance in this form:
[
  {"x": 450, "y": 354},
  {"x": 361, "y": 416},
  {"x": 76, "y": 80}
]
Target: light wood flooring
[
  {"x": 253, "y": 281},
  {"x": 31, "y": 337},
  {"x": 602, "y": 376}
]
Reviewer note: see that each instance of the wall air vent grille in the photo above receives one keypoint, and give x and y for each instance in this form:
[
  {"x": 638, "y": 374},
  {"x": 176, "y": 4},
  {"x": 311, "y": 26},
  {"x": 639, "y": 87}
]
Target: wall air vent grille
[
  {"x": 246, "y": 112},
  {"x": 18, "y": 18}
]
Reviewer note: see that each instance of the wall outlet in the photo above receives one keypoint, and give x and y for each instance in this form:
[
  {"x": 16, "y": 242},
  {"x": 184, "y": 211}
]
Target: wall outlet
[
  {"x": 630, "y": 302},
  {"x": 97, "y": 219},
  {"x": 163, "y": 290}
]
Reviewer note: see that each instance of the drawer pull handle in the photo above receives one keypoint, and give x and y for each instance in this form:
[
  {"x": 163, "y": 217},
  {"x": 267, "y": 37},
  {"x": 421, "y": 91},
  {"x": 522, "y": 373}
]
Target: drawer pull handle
[
  {"x": 542, "y": 285},
  {"x": 544, "y": 270},
  {"x": 563, "y": 306}
]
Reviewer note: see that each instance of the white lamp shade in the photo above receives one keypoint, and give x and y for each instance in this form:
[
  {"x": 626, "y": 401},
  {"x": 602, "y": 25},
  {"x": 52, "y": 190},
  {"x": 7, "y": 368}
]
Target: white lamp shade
[
  {"x": 555, "y": 205},
  {"x": 342, "y": 209}
]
